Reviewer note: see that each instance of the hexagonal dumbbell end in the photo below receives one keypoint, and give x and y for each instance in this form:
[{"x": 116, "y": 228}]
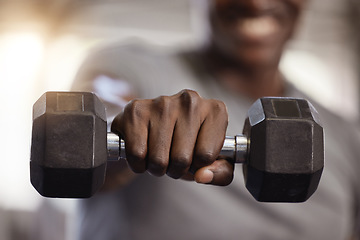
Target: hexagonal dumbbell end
[
  {"x": 286, "y": 155},
  {"x": 75, "y": 122}
]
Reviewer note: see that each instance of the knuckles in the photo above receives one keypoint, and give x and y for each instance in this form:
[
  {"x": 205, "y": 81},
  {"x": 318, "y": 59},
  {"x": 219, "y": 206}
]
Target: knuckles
[
  {"x": 176, "y": 168},
  {"x": 188, "y": 104},
  {"x": 136, "y": 153},
  {"x": 189, "y": 97},
  {"x": 157, "y": 166},
  {"x": 135, "y": 109},
  {"x": 136, "y": 158},
  {"x": 162, "y": 106},
  {"x": 204, "y": 158},
  {"x": 218, "y": 107},
  {"x": 181, "y": 162},
  {"x": 217, "y": 111},
  {"x": 185, "y": 103},
  {"x": 189, "y": 101},
  {"x": 179, "y": 166}
]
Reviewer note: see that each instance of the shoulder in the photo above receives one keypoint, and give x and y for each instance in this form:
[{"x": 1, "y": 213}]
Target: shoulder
[
  {"x": 150, "y": 70},
  {"x": 127, "y": 52},
  {"x": 121, "y": 60}
]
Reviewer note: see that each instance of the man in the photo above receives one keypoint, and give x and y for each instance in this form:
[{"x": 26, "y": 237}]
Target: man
[{"x": 180, "y": 135}]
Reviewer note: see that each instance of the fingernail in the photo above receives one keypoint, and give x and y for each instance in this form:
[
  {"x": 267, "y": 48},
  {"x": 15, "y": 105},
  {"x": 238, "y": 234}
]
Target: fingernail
[{"x": 205, "y": 176}]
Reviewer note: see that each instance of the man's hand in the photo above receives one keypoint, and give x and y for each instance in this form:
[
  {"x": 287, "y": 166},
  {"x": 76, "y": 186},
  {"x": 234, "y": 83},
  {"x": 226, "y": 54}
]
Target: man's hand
[{"x": 176, "y": 135}]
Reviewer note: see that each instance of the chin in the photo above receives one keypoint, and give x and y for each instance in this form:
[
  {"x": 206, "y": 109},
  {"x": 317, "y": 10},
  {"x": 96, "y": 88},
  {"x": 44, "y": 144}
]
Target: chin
[{"x": 255, "y": 58}]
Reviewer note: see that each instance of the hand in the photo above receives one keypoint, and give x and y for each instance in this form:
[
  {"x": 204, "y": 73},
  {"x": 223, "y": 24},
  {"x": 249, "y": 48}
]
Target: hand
[{"x": 176, "y": 135}]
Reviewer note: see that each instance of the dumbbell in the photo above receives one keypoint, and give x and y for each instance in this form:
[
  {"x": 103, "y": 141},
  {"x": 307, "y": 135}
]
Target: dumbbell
[{"x": 281, "y": 148}]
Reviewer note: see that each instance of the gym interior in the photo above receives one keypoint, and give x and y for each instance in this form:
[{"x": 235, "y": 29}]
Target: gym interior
[{"x": 43, "y": 43}]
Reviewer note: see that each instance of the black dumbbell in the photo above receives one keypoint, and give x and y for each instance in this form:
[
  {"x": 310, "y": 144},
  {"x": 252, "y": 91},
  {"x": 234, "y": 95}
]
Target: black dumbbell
[{"x": 282, "y": 147}]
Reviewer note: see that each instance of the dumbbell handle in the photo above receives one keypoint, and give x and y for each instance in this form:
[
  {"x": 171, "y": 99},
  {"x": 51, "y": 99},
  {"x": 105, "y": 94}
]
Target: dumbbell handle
[{"x": 234, "y": 148}]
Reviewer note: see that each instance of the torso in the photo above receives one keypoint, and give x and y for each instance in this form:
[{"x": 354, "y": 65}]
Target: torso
[{"x": 163, "y": 208}]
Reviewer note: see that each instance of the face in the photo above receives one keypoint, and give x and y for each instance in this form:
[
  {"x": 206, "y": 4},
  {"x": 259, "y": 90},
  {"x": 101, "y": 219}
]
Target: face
[{"x": 253, "y": 32}]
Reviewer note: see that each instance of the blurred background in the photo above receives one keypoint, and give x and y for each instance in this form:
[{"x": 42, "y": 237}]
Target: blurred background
[{"x": 43, "y": 42}]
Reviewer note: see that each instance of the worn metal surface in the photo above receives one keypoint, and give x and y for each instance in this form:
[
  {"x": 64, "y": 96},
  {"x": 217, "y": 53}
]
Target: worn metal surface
[
  {"x": 68, "y": 144},
  {"x": 286, "y": 155}
]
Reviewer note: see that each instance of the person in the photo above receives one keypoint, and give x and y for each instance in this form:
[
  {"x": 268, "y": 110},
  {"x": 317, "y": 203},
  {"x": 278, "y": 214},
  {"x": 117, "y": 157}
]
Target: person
[{"x": 186, "y": 101}]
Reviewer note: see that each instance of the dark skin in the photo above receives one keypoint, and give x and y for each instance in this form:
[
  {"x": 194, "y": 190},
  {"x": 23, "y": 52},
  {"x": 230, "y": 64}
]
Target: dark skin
[{"x": 182, "y": 135}]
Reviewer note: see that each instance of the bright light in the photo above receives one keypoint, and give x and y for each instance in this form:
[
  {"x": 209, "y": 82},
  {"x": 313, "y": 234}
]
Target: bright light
[
  {"x": 21, "y": 56},
  {"x": 310, "y": 74}
]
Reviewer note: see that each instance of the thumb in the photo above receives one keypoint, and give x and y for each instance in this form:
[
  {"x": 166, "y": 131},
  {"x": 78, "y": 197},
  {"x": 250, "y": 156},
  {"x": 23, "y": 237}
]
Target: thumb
[{"x": 220, "y": 173}]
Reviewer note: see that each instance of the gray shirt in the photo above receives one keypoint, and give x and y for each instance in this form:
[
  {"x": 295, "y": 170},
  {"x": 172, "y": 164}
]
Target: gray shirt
[{"x": 163, "y": 208}]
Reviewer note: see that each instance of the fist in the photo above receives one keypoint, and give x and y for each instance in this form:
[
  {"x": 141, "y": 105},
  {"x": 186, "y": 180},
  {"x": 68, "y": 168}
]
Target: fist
[{"x": 179, "y": 135}]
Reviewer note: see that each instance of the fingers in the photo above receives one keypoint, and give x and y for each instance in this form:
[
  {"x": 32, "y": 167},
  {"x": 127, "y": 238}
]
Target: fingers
[
  {"x": 220, "y": 173},
  {"x": 185, "y": 133},
  {"x": 173, "y": 134},
  {"x": 211, "y": 135},
  {"x": 182, "y": 149},
  {"x": 160, "y": 129},
  {"x": 132, "y": 126}
]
